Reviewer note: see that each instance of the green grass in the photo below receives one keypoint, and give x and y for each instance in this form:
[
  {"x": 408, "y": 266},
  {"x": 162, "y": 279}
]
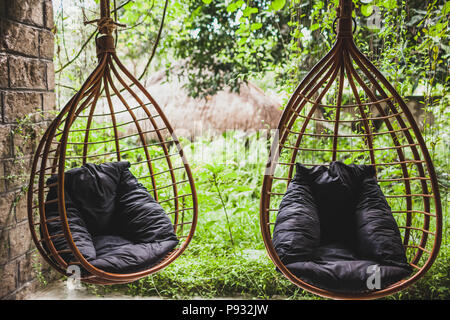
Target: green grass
[{"x": 226, "y": 257}]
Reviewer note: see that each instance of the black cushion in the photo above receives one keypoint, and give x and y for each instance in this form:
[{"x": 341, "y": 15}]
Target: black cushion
[
  {"x": 134, "y": 203},
  {"x": 115, "y": 222},
  {"x": 377, "y": 233},
  {"x": 334, "y": 191},
  {"x": 339, "y": 269},
  {"x": 334, "y": 224},
  {"x": 297, "y": 229}
]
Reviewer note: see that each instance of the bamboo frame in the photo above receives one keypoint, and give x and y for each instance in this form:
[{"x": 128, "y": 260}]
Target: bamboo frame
[
  {"x": 346, "y": 67},
  {"x": 82, "y": 109}
]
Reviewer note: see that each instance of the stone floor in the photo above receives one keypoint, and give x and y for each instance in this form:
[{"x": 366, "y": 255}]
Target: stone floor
[{"x": 59, "y": 290}]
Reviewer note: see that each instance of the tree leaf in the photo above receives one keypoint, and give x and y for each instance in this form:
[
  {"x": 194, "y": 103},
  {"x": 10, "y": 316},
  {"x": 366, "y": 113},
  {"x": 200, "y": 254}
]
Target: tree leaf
[
  {"x": 232, "y": 7},
  {"x": 446, "y": 8},
  {"x": 390, "y": 4},
  {"x": 278, "y": 4},
  {"x": 242, "y": 41},
  {"x": 315, "y": 26},
  {"x": 248, "y": 11},
  {"x": 367, "y": 10},
  {"x": 256, "y": 26}
]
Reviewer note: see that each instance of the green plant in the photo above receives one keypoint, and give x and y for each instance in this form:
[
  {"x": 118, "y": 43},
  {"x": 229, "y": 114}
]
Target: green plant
[{"x": 273, "y": 43}]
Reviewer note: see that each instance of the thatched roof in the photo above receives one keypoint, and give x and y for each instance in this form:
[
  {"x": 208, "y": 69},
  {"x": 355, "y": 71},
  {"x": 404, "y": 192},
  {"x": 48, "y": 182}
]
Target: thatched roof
[{"x": 249, "y": 110}]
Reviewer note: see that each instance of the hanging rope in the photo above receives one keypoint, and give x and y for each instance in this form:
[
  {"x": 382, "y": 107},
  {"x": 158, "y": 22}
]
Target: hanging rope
[
  {"x": 105, "y": 25},
  {"x": 153, "y": 141}
]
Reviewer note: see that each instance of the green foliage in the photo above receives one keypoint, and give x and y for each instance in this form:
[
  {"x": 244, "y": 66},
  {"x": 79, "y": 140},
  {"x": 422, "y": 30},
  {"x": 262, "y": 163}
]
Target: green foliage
[
  {"x": 227, "y": 256},
  {"x": 436, "y": 283},
  {"x": 226, "y": 43},
  {"x": 274, "y": 43},
  {"x": 204, "y": 273}
]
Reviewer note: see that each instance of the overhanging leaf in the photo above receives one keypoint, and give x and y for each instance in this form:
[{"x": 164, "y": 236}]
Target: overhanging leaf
[
  {"x": 367, "y": 10},
  {"x": 278, "y": 4}
]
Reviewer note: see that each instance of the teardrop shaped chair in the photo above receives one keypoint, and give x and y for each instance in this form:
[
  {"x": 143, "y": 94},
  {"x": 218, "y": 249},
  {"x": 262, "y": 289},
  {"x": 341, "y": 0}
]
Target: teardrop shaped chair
[
  {"x": 345, "y": 112},
  {"x": 113, "y": 138}
]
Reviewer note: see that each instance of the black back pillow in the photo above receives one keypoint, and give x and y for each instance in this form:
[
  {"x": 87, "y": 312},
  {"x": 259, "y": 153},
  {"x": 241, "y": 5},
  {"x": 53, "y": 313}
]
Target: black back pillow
[
  {"x": 336, "y": 190},
  {"x": 106, "y": 199},
  {"x": 93, "y": 189},
  {"x": 296, "y": 234},
  {"x": 378, "y": 236},
  {"x": 138, "y": 216}
]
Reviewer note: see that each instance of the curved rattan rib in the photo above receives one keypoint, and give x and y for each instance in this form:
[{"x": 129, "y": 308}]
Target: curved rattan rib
[
  {"x": 418, "y": 221},
  {"x": 409, "y": 138},
  {"x": 396, "y": 143},
  {"x": 53, "y": 157},
  {"x": 59, "y": 264}
]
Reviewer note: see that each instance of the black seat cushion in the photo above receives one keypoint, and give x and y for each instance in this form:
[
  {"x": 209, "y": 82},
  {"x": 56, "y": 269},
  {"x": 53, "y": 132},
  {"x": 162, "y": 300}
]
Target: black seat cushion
[
  {"x": 334, "y": 226},
  {"x": 114, "y": 221}
]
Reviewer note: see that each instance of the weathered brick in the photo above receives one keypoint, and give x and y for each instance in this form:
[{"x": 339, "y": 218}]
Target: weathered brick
[
  {"x": 2, "y": 178},
  {"x": 28, "y": 11},
  {"x": 26, "y": 51},
  {"x": 17, "y": 172},
  {"x": 49, "y": 105},
  {"x": 48, "y": 6},
  {"x": 5, "y": 142},
  {"x": 19, "y": 38},
  {"x": 50, "y": 76},
  {"x": 46, "y": 44},
  {"x": 41, "y": 266},
  {"x": 4, "y": 248},
  {"x": 40, "y": 262},
  {"x": 25, "y": 290},
  {"x": 20, "y": 241},
  {"x": 26, "y": 270},
  {"x": 39, "y": 130},
  {"x": 23, "y": 145},
  {"x": 2, "y": 22},
  {"x": 8, "y": 276},
  {"x": 27, "y": 73},
  {"x": 17, "y": 105},
  {"x": 21, "y": 209},
  {"x": 6, "y": 209},
  {"x": 4, "y": 82}
]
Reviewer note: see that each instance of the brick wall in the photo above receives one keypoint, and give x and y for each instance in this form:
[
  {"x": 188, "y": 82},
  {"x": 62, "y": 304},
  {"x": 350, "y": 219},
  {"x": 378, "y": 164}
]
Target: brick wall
[{"x": 26, "y": 96}]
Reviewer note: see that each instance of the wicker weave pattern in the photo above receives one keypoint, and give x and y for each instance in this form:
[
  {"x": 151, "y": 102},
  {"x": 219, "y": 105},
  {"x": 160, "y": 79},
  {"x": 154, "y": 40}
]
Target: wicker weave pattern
[
  {"x": 111, "y": 118},
  {"x": 345, "y": 110}
]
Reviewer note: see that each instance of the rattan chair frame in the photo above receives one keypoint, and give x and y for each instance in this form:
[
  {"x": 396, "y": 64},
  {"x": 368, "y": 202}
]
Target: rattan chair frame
[
  {"x": 338, "y": 67},
  {"x": 51, "y": 158}
]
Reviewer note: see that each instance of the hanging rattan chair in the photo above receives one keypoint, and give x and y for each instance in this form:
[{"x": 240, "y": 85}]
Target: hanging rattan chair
[
  {"x": 111, "y": 118},
  {"x": 367, "y": 122}
]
